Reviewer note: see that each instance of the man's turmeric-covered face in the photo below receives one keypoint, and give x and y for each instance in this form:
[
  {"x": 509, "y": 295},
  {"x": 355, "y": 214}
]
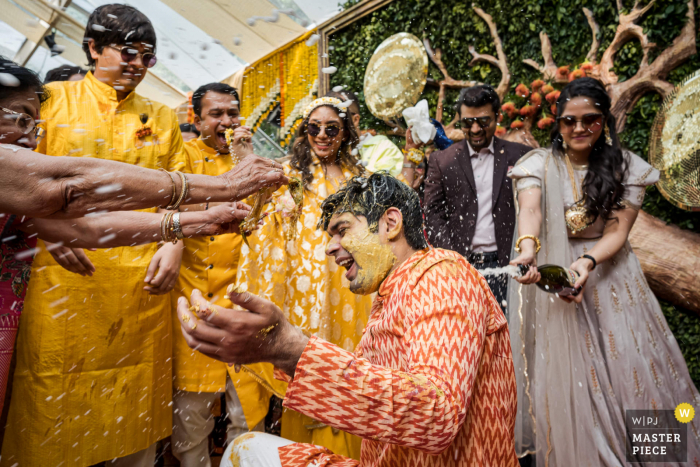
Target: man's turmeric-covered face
[{"x": 365, "y": 255}]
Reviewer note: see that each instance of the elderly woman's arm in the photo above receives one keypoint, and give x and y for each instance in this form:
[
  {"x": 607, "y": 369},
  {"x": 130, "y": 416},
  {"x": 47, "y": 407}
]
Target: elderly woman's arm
[{"x": 36, "y": 185}]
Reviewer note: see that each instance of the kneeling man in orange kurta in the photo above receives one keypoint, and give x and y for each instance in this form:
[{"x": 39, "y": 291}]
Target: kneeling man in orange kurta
[{"x": 431, "y": 382}]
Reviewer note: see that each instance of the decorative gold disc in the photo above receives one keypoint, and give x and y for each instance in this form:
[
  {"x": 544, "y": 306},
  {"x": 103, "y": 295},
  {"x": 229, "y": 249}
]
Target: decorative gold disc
[
  {"x": 396, "y": 75},
  {"x": 674, "y": 145}
]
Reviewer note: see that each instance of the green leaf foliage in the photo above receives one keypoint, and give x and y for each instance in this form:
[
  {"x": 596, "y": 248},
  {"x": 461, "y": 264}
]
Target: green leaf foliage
[{"x": 453, "y": 26}]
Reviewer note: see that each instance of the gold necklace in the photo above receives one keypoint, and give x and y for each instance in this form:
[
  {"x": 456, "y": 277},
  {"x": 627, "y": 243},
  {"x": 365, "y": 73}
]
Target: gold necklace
[{"x": 577, "y": 217}]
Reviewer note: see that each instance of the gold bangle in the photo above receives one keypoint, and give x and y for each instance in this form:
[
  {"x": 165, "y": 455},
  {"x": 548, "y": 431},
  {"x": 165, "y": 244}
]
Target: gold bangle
[
  {"x": 415, "y": 155},
  {"x": 167, "y": 228},
  {"x": 163, "y": 233},
  {"x": 525, "y": 237},
  {"x": 183, "y": 192},
  {"x": 174, "y": 195}
]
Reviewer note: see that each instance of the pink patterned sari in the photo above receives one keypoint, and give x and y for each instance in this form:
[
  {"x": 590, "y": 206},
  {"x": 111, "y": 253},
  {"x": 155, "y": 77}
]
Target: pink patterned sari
[{"x": 16, "y": 256}]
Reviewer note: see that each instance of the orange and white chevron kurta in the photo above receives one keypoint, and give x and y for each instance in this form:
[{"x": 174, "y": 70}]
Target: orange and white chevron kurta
[{"x": 431, "y": 382}]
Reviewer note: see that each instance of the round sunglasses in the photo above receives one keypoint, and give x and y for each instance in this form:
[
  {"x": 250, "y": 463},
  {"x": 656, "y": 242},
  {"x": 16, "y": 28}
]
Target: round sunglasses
[
  {"x": 332, "y": 130},
  {"x": 589, "y": 122},
  {"x": 129, "y": 54}
]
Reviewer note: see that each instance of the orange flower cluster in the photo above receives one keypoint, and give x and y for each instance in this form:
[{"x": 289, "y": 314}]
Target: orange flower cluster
[
  {"x": 500, "y": 131},
  {"x": 537, "y": 85},
  {"x": 563, "y": 71},
  {"x": 552, "y": 97},
  {"x": 509, "y": 109},
  {"x": 528, "y": 111},
  {"x": 522, "y": 90},
  {"x": 517, "y": 124},
  {"x": 545, "y": 123}
]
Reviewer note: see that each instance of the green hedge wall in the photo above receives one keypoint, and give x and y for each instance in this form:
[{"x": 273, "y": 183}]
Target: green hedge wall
[{"x": 453, "y": 26}]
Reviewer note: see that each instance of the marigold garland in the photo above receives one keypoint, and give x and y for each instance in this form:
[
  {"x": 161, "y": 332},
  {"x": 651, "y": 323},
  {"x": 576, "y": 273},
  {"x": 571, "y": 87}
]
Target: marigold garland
[{"x": 287, "y": 77}]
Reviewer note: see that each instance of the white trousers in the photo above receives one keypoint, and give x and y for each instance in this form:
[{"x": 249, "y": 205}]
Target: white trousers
[
  {"x": 193, "y": 421},
  {"x": 143, "y": 458},
  {"x": 254, "y": 450}
]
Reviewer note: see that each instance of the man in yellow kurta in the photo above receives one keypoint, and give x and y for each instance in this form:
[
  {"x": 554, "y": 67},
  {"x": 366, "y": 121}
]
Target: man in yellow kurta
[
  {"x": 209, "y": 265},
  {"x": 93, "y": 375},
  {"x": 311, "y": 290}
]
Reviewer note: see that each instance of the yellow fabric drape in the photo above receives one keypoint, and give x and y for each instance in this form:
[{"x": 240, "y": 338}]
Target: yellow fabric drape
[
  {"x": 286, "y": 77},
  {"x": 209, "y": 264},
  {"x": 310, "y": 289},
  {"x": 93, "y": 377}
]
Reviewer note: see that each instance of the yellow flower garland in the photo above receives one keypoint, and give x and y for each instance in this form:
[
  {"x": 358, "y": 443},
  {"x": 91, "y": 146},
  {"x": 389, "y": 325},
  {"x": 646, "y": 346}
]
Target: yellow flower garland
[{"x": 293, "y": 70}]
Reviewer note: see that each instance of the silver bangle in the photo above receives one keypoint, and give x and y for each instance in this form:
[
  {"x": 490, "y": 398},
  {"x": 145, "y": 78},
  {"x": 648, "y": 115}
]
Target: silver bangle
[
  {"x": 409, "y": 165},
  {"x": 177, "y": 228}
]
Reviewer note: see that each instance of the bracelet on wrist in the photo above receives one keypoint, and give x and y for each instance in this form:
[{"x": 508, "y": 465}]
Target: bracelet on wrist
[
  {"x": 595, "y": 263},
  {"x": 530, "y": 237}
]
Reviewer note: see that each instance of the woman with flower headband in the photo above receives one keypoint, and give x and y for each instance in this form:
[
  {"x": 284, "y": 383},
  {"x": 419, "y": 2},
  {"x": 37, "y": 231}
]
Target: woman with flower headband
[
  {"x": 296, "y": 274},
  {"x": 581, "y": 362}
]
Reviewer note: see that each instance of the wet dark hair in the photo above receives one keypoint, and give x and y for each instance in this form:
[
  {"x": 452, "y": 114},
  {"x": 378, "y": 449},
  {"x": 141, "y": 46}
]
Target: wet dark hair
[
  {"x": 370, "y": 197},
  {"x": 607, "y": 166},
  {"x": 28, "y": 81},
  {"x": 119, "y": 25},
  {"x": 63, "y": 73},
  {"x": 478, "y": 96},
  {"x": 221, "y": 88},
  {"x": 188, "y": 128},
  {"x": 301, "y": 149},
  {"x": 346, "y": 96}
]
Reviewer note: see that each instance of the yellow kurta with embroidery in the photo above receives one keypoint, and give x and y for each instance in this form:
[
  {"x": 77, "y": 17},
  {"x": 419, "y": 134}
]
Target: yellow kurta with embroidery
[
  {"x": 311, "y": 290},
  {"x": 209, "y": 264},
  {"x": 94, "y": 377}
]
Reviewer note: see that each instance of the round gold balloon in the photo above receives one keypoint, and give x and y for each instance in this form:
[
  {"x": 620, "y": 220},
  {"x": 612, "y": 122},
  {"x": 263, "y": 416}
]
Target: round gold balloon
[
  {"x": 674, "y": 145},
  {"x": 396, "y": 75}
]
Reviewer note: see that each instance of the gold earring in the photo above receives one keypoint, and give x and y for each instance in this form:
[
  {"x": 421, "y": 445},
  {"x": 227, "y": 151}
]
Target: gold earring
[
  {"x": 608, "y": 139},
  {"x": 564, "y": 145}
]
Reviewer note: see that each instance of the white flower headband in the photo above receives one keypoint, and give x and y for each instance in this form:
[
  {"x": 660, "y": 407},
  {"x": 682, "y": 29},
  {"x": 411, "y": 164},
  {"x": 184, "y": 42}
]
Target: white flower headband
[{"x": 337, "y": 103}]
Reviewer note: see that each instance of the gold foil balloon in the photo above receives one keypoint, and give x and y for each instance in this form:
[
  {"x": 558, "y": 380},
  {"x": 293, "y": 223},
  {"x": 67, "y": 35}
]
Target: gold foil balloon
[
  {"x": 395, "y": 76},
  {"x": 674, "y": 146}
]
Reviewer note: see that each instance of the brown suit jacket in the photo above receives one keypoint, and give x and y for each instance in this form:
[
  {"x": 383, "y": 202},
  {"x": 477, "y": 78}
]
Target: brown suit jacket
[{"x": 450, "y": 197}]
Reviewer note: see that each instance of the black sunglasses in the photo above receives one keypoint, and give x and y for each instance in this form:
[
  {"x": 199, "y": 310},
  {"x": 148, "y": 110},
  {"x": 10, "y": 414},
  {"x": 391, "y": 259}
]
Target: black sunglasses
[
  {"x": 128, "y": 54},
  {"x": 314, "y": 129},
  {"x": 589, "y": 122},
  {"x": 467, "y": 123}
]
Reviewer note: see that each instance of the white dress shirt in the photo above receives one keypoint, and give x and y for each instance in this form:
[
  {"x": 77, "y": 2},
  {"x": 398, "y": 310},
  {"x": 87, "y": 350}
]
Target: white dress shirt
[{"x": 484, "y": 239}]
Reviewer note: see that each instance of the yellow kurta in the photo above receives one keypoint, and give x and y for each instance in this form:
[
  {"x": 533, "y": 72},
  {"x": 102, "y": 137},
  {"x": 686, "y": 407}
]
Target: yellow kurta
[
  {"x": 209, "y": 264},
  {"x": 311, "y": 290},
  {"x": 93, "y": 376}
]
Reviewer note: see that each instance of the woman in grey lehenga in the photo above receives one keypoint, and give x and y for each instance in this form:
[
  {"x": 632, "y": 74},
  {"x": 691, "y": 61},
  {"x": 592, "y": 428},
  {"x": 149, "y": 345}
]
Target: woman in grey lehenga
[{"x": 581, "y": 362}]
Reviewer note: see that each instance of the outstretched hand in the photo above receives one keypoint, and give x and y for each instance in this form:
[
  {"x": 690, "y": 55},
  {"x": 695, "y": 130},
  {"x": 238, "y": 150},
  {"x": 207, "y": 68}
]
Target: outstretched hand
[
  {"x": 253, "y": 174},
  {"x": 255, "y": 330}
]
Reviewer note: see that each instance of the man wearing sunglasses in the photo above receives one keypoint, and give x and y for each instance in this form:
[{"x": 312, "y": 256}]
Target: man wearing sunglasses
[
  {"x": 468, "y": 200},
  {"x": 113, "y": 357},
  {"x": 210, "y": 264}
]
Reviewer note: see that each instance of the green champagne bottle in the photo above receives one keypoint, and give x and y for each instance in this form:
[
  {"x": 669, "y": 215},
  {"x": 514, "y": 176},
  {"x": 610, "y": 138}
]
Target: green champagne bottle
[{"x": 555, "y": 279}]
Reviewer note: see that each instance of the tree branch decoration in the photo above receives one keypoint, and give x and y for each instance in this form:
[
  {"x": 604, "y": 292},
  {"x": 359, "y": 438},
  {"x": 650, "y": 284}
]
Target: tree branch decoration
[
  {"x": 650, "y": 76},
  {"x": 448, "y": 82}
]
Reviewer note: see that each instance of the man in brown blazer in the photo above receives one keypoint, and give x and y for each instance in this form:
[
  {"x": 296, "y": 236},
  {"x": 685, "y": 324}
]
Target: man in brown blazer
[{"x": 468, "y": 199}]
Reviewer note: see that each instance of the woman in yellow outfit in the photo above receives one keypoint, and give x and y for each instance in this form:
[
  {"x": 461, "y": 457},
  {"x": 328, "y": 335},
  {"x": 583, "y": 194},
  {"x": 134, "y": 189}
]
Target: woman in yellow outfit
[
  {"x": 93, "y": 376},
  {"x": 297, "y": 275}
]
